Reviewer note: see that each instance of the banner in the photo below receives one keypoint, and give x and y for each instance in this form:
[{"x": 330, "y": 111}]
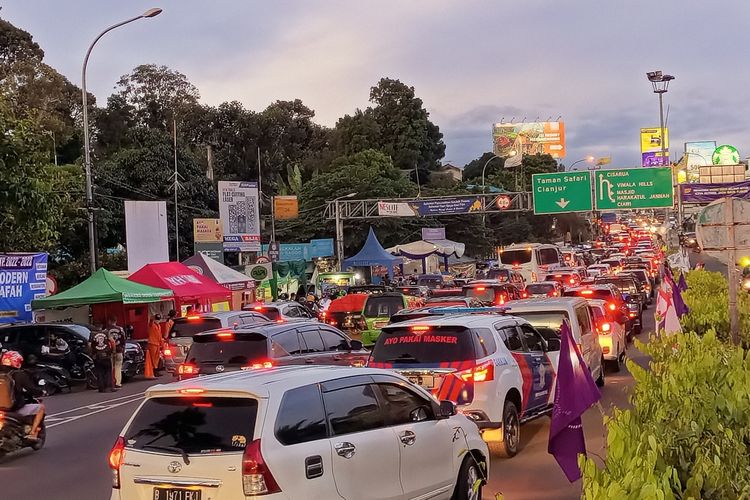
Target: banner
[
  {"x": 213, "y": 250},
  {"x": 207, "y": 231},
  {"x": 285, "y": 207},
  {"x": 387, "y": 209},
  {"x": 706, "y": 193},
  {"x": 697, "y": 154},
  {"x": 290, "y": 252},
  {"x": 23, "y": 278},
  {"x": 240, "y": 216},
  {"x": 423, "y": 208},
  {"x": 433, "y": 233},
  {"x": 529, "y": 138},
  {"x": 651, "y": 148}
]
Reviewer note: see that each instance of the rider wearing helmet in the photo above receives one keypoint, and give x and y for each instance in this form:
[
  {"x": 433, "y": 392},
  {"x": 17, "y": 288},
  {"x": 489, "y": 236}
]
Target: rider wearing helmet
[{"x": 24, "y": 390}]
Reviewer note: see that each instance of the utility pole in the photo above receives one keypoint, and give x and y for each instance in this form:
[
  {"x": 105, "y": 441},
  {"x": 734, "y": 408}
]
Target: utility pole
[
  {"x": 734, "y": 315},
  {"x": 175, "y": 177}
]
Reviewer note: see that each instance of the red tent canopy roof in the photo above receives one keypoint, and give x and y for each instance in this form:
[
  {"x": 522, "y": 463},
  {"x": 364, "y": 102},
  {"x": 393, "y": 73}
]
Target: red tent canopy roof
[
  {"x": 348, "y": 303},
  {"x": 179, "y": 278}
]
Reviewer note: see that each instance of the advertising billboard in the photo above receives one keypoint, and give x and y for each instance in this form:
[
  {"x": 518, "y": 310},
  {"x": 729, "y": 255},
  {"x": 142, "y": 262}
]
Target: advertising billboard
[
  {"x": 706, "y": 193},
  {"x": 240, "y": 216},
  {"x": 532, "y": 138},
  {"x": 651, "y": 147},
  {"x": 423, "y": 208},
  {"x": 23, "y": 278},
  {"x": 697, "y": 154},
  {"x": 146, "y": 235},
  {"x": 285, "y": 207},
  {"x": 207, "y": 231}
]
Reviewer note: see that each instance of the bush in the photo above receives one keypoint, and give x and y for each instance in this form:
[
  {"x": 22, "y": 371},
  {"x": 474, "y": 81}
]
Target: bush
[
  {"x": 707, "y": 297},
  {"x": 688, "y": 433}
]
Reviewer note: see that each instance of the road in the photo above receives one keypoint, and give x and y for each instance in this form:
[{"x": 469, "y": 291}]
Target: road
[{"x": 83, "y": 426}]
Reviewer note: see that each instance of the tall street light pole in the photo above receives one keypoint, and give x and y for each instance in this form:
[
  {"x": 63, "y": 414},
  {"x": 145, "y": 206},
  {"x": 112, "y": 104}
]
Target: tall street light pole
[
  {"x": 483, "y": 186},
  {"x": 86, "y": 139},
  {"x": 340, "y": 229},
  {"x": 660, "y": 83},
  {"x": 588, "y": 159}
]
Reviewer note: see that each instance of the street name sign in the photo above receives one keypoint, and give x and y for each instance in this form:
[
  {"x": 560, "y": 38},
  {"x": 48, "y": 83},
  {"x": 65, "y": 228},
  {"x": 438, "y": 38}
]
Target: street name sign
[
  {"x": 633, "y": 188},
  {"x": 561, "y": 192}
]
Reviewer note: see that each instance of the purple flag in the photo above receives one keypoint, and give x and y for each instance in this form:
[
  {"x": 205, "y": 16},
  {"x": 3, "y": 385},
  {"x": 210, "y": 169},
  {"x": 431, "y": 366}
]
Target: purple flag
[
  {"x": 679, "y": 305},
  {"x": 574, "y": 394},
  {"x": 682, "y": 284}
]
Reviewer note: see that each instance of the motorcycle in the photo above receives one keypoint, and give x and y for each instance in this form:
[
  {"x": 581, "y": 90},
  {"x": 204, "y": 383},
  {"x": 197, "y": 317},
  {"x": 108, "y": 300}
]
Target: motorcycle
[
  {"x": 14, "y": 427},
  {"x": 51, "y": 378}
]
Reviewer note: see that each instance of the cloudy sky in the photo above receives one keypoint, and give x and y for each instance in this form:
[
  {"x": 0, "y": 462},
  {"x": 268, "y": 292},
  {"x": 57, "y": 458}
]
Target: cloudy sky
[{"x": 473, "y": 62}]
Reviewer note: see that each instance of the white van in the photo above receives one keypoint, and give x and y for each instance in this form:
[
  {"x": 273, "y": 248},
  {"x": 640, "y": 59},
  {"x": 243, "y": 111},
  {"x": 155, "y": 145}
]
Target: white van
[
  {"x": 532, "y": 260},
  {"x": 551, "y": 312}
]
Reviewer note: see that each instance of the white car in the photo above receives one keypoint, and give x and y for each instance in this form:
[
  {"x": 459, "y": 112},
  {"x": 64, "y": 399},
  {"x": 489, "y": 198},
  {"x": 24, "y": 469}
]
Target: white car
[
  {"x": 297, "y": 432},
  {"x": 498, "y": 368},
  {"x": 595, "y": 270},
  {"x": 550, "y": 313},
  {"x": 611, "y": 334}
]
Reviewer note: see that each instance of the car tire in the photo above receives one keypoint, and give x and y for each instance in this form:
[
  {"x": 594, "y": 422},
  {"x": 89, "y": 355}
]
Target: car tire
[
  {"x": 468, "y": 475},
  {"x": 508, "y": 447},
  {"x": 600, "y": 380}
]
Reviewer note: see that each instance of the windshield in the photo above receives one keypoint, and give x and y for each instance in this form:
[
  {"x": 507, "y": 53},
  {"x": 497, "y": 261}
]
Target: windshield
[
  {"x": 512, "y": 257},
  {"x": 627, "y": 286},
  {"x": 194, "y": 425},
  {"x": 271, "y": 313},
  {"x": 81, "y": 330},
  {"x": 540, "y": 288},
  {"x": 186, "y": 327},
  {"x": 589, "y": 294},
  {"x": 382, "y": 307},
  {"x": 228, "y": 353},
  {"x": 545, "y": 319},
  {"x": 483, "y": 293},
  {"x": 501, "y": 275},
  {"x": 432, "y": 281},
  {"x": 436, "y": 345}
]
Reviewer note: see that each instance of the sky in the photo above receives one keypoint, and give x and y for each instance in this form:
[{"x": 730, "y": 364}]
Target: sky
[{"x": 473, "y": 62}]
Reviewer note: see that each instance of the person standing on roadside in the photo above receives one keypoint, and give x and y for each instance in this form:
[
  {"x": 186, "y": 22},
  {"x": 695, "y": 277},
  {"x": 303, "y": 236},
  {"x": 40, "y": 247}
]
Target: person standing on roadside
[
  {"x": 102, "y": 349},
  {"x": 166, "y": 326},
  {"x": 154, "y": 346},
  {"x": 117, "y": 334}
]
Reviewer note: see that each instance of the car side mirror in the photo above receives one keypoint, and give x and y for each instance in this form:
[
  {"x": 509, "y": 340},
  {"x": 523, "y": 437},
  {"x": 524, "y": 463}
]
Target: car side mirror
[
  {"x": 355, "y": 345},
  {"x": 447, "y": 409},
  {"x": 553, "y": 344}
]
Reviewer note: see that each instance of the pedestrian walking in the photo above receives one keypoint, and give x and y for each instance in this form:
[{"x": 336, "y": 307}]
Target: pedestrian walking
[
  {"x": 154, "y": 346},
  {"x": 117, "y": 334},
  {"x": 102, "y": 348},
  {"x": 166, "y": 326}
]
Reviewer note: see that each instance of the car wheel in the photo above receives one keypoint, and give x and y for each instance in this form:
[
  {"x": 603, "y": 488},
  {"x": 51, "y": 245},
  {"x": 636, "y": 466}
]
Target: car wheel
[
  {"x": 600, "y": 380},
  {"x": 508, "y": 447},
  {"x": 466, "y": 485}
]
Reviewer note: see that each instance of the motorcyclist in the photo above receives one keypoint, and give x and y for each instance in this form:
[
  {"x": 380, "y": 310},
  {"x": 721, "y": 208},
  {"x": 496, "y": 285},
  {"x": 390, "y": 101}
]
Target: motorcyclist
[{"x": 24, "y": 391}]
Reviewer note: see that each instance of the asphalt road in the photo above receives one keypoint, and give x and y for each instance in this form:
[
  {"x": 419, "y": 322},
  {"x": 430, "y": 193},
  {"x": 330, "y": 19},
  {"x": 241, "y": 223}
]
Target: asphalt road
[{"x": 83, "y": 426}]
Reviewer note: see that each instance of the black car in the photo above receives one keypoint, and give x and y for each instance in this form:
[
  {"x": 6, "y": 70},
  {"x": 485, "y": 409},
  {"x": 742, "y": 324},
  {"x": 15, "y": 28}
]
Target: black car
[
  {"x": 37, "y": 343},
  {"x": 268, "y": 345}
]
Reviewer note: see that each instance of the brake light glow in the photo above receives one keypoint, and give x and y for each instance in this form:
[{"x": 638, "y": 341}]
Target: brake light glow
[
  {"x": 586, "y": 292},
  {"x": 260, "y": 365},
  {"x": 193, "y": 317},
  {"x": 192, "y": 390},
  {"x": 2, "y": 416},
  {"x": 256, "y": 477},
  {"x": 572, "y": 281},
  {"x": 167, "y": 352},
  {"x": 115, "y": 460},
  {"x": 611, "y": 306},
  {"x": 280, "y": 321},
  {"x": 420, "y": 328},
  {"x": 481, "y": 288},
  {"x": 187, "y": 369},
  {"x": 225, "y": 335},
  {"x": 480, "y": 373},
  {"x": 203, "y": 404},
  {"x": 524, "y": 294},
  {"x": 606, "y": 327},
  {"x": 632, "y": 315},
  {"x": 258, "y": 308}
]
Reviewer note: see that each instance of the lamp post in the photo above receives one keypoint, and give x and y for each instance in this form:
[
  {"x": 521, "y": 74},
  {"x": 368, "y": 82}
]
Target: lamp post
[
  {"x": 660, "y": 84},
  {"x": 483, "y": 186},
  {"x": 340, "y": 229},
  {"x": 86, "y": 140},
  {"x": 588, "y": 159}
]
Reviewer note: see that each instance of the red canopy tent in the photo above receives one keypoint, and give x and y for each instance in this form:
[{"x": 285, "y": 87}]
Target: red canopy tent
[{"x": 189, "y": 287}]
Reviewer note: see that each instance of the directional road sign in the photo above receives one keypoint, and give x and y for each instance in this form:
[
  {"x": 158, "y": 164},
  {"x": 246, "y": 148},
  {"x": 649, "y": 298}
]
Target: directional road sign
[
  {"x": 561, "y": 192},
  {"x": 633, "y": 188}
]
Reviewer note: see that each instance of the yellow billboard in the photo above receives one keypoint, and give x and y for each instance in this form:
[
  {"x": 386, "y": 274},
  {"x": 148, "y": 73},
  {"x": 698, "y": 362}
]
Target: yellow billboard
[
  {"x": 285, "y": 207},
  {"x": 208, "y": 230},
  {"x": 651, "y": 139}
]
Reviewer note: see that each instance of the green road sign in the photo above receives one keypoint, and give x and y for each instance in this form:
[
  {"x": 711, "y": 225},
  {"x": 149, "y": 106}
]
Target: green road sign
[
  {"x": 561, "y": 192},
  {"x": 633, "y": 188}
]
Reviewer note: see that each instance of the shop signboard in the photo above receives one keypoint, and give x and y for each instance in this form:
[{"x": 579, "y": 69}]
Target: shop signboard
[{"x": 23, "y": 278}]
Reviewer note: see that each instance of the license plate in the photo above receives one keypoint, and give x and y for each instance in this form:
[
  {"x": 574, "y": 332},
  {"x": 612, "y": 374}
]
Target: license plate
[
  {"x": 426, "y": 381},
  {"x": 379, "y": 324},
  {"x": 176, "y": 494}
]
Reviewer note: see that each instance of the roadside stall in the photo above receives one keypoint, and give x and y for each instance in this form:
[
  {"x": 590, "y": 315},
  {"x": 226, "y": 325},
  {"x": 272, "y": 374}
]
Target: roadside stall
[
  {"x": 241, "y": 285},
  {"x": 373, "y": 254},
  {"x": 190, "y": 289},
  {"x": 430, "y": 252},
  {"x": 104, "y": 294}
]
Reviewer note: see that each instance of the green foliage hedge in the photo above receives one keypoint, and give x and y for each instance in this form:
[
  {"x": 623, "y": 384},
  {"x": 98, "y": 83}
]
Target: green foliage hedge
[
  {"x": 688, "y": 433},
  {"x": 708, "y": 299}
]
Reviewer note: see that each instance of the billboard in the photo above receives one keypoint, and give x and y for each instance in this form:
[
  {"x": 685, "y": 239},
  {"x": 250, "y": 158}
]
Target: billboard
[
  {"x": 706, "y": 193},
  {"x": 285, "y": 207},
  {"x": 697, "y": 154},
  {"x": 23, "y": 278},
  {"x": 146, "y": 234},
  {"x": 529, "y": 139},
  {"x": 651, "y": 147},
  {"x": 422, "y": 208},
  {"x": 207, "y": 231},
  {"x": 240, "y": 216}
]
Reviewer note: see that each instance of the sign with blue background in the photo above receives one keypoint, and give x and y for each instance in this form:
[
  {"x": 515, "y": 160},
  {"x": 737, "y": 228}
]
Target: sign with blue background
[
  {"x": 23, "y": 278},
  {"x": 304, "y": 251}
]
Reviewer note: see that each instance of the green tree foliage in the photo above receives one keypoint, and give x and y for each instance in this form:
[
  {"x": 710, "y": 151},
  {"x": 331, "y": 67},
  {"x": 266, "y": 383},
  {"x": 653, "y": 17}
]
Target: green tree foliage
[
  {"x": 688, "y": 433},
  {"x": 707, "y": 297}
]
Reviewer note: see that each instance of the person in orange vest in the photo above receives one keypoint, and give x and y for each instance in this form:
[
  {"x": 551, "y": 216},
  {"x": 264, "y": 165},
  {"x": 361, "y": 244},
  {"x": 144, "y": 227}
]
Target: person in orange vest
[
  {"x": 166, "y": 326},
  {"x": 155, "y": 340}
]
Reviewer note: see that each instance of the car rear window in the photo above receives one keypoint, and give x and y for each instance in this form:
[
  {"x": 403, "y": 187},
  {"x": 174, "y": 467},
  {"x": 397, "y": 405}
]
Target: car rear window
[
  {"x": 195, "y": 425},
  {"x": 384, "y": 307},
  {"x": 539, "y": 288},
  {"x": 430, "y": 282},
  {"x": 271, "y": 313},
  {"x": 187, "y": 327},
  {"x": 544, "y": 319},
  {"x": 499, "y": 274},
  {"x": 512, "y": 257},
  {"x": 483, "y": 293},
  {"x": 228, "y": 352},
  {"x": 595, "y": 294},
  {"x": 548, "y": 256},
  {"x": 434, "y": 345}
]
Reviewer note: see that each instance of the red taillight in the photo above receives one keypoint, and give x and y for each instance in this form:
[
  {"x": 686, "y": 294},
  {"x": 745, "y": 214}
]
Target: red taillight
[
  {"x": 632, "y": 315},
  {"x": 481, "y": 288},
  {"x": 420, "y": 328},
  {"x": 258, "y": 308},
  {"x": 167, "y": 352},
  {"x": 187, "y": 369},
  {"x": 606, "y": 327},
  {"x": 258, "y": 365},
  {"x": 279, "y": 321},
  {"x": 480, "y": 373},
  {"x": 193, "y": 317},
  {"x": 225, "y": 335},
  {"x": 572, "y": 281},
  {"x": 586, "y": 292},
  {"x": 2, "y": 416},
  {"x": 256, "y": 477},
  {"x": 524, "y": 294},
  {"x": 501, "y": 300},
  {"x": 116, "y": 457},
  {"x": 192, "y": 391},
  {"x": 611, "y": 306}
]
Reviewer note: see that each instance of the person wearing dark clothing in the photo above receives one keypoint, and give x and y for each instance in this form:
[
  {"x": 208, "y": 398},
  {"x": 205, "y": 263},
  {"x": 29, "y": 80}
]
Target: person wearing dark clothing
[
  {"x": 102, "y": 349},
  {"x": 24, "y": 390}
]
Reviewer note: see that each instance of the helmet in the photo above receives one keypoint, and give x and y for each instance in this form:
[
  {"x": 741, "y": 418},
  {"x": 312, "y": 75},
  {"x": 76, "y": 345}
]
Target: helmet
[{"x": 12, "y": 359}]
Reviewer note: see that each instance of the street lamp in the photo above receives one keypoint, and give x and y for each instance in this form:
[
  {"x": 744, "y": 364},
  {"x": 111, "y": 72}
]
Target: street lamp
[
  {"x": 86, "y": 140},
  {"x": 588, "y": 159},
  {"x": 340, "y": 228},
  {"x": 485, "y": 168},
  {"x": 660, "y": 83}
]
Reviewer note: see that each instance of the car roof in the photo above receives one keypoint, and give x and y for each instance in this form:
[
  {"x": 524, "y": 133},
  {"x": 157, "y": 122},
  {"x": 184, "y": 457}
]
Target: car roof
[
  {"x": 262, "y": 383},
  {"x": 554, "y": 283},
  {"x": 545, "y": 304},
  {"x": 217, "y": 315},
  {"x": 465, "y": 320},
  {"x": 269, "y": 328}
]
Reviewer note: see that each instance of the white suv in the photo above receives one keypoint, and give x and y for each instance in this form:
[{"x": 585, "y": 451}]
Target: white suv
[
  {"x": 297, "y": 432},
  {"x": 499, "y": 369}
]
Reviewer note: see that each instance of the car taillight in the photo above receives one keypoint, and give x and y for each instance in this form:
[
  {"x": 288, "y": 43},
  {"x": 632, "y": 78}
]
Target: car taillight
[
  {"x": 632, "y": 315},
  {"x": 501, "y": 300},
  {"x": 187, "y": 369},
  {"x": 606, "y": 327},
  {"x": 524, "y": 294},
  {"x": 258, "y": 365},
  {"x": 480, "y": 373},
  {"x": 256, "y": 477},
  {"x": 116, "y": 457},
  {"x": 611, "y": 306},
  {"x": 167, "y": 352}
]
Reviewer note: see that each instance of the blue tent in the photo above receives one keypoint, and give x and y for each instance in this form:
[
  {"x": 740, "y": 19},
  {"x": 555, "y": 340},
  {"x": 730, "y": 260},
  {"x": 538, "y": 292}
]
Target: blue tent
[{"x": 373, "y": 254}]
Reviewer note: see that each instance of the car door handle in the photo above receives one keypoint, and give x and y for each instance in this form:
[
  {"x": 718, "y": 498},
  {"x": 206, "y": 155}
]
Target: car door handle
[
  {"x": 345, "y": 449},
  {"x": 309, "y": 361},
  {"x": 407, "y": 437},
  {"x": 313, "y": 467}
]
